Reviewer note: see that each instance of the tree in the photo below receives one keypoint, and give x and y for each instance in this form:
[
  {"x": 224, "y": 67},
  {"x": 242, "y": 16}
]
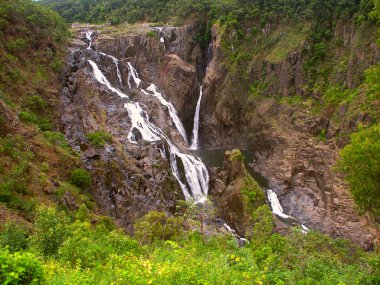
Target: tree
[{"x": 360, "y": 161}]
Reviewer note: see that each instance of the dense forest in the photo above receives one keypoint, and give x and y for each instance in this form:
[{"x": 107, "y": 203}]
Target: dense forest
[{"x": 42, "y": 241}]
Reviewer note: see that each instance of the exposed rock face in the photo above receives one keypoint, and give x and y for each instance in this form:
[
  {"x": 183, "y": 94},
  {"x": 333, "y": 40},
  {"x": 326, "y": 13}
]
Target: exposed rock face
[
  {"x": 230, "y": 200},
  {"x": 175, "y": 66},
  {"x": 299, "y": 167},
  {"x": 128, "y": 180}
]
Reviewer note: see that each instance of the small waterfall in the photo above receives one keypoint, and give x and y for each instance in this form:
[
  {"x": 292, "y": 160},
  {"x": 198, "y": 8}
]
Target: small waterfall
[
  {"x": 134, "y": 74},
  {"x": 195, "y": 140},
  {"x": 277, "y": 209},
  {"x": 172, "y": 111},
  {"x": 196, "y": 174},
  {"x": 103, "y": 80},
  {"x": 116, "y": 62},
  {"x": 89, "y": 38}
]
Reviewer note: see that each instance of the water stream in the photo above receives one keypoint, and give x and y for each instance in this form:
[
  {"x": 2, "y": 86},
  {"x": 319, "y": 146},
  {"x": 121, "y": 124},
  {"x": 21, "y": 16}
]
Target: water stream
[
  {"x": 196, "y": 183},
  {"x": 195, "y": 140}
]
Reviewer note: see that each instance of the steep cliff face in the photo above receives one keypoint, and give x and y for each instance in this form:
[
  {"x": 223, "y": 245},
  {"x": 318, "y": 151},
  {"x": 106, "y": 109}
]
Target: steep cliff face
[
  {"x": 128, "y": 180},
  {"x": 294, "y": 143},
  {"x": 248, "y": 106}
]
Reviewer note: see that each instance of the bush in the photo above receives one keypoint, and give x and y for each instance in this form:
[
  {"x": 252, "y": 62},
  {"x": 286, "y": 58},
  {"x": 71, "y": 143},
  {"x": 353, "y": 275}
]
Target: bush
[
  {"x": 34, "y": 103},
  {"x": 360, "y": 161},
  {"x": 150, "y": 34},
  {"x": 14, "y": 237},
  {"x": 158, "y": 226},
  {"x": 50, "y": 230},
  {"x": 19, "y": 268},
  {"x": 91, "y": 246},
  {"x": 99, "y": 138},
  {"x": 81, "y": 178}
]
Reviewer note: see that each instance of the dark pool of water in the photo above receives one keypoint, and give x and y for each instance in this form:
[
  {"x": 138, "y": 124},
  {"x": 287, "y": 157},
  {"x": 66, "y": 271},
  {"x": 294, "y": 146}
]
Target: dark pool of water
[{"x": 215, "y": 158}]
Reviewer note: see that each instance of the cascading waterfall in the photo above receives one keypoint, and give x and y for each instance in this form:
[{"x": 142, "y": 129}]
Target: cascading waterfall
[
  {"x": 195, "y": 140},
  {"x": 116, "y": 62},
  {"x": 196, "y": 174},
  {"x": 277, "y": 208},
  {"x": 89, "y": 38},
  {"x": 172, "y": 111}
]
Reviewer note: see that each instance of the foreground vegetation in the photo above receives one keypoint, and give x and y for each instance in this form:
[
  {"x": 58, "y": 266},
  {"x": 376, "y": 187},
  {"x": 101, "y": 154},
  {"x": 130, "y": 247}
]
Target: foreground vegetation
[
  {"x": 88, "y": 249},
  {"x": 60, "y": 245}
]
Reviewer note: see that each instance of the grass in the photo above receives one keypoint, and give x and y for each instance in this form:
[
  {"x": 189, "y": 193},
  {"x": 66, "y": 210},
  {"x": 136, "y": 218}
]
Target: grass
[{"x": 287, "y": 41}]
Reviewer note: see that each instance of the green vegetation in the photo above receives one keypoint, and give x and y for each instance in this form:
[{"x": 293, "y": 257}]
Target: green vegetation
[
  {"x": 99, "y": 138},
  {"x": 81, "y": 178},
  {"x": 61, "y": 251},
  {"x": 236, "y": 155},
  {"x": 360, "y": 160}
]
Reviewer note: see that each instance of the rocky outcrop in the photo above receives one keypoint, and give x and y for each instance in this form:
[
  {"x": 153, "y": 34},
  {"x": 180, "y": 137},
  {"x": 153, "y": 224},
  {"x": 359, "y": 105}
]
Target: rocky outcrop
[
  {"x": 235, "y": 194},
  {"x": 128, "y": 180},
  {"x": 175, "y": 66},
  {"x": 131, "y": 180},
  {"x": 284, "y": 138}
]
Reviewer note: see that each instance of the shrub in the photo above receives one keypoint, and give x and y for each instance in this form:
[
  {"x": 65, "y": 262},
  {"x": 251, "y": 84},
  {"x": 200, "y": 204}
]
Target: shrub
[
  {"x": 151, "y": 34},
  {"x": 34, "y": 103},
  {"x": 81, "y": 178},
  {"x": 28, "y": 117},
  {"x": 50, "y": 230},
  {"x": 99, "y": 138},
  {"x": 14, "y": 237},
  {"x": 360, "y": 161},
  {"x": 158, "y": 226},
  {"x": 19, "y": 268}
]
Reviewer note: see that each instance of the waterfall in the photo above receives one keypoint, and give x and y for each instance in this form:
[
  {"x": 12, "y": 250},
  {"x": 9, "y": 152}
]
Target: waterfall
[
  {"x": 196, "y": 174},
  {"x": 277, "y": 208},
  {"x": 116, "y": 62},
  {"x": 195, "y": 140},
  {"x": 89, "y": 38},
  {"x": 134, "y": 74},
  {"x": 172, "y": 111}
]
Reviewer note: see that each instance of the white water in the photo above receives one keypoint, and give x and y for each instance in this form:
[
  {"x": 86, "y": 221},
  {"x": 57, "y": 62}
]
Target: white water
[
  {"x": 196, "y": 173},
  {"x": 116, "y": 62},
  {"x": 195, "y": 140},
  {"x": 172, "y": 111},
  {"x": 89, "y": 38},
  {"x": 134, "y": 74},
  {"x": 103, "y": 80},
  {"x": 277, "y": 208}
]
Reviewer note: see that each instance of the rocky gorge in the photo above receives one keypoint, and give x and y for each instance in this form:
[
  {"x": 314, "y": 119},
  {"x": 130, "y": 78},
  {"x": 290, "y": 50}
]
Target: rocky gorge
[{"x": 132, "y": 179}]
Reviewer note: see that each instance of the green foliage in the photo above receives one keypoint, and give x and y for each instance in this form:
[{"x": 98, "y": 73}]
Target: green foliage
[
  {"x": 322, "y": 137},
  {"x": 81, "y": 178},
  {"x": 158, "y": 226},
  {"x": 360, "y": 161},
  {"x": 88, "y": 246},
  {"x": 372, "y": 82},
  {"x": 14, "y": 237},
  {"x": 263, "y": 224},
  {"x": 236, "y": 155},
  {"x": 99, "y": 138},
  {"x": 20, "y": 268},
  {"x": 42, "y": 122},
  {"x": 34, "y": 103},
  {"x": 50, "y": 230},
  {"x": 150, "y": 34}
]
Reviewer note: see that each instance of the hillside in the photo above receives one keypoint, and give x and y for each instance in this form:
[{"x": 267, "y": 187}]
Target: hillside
[{"x": 189, "y": 142}]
